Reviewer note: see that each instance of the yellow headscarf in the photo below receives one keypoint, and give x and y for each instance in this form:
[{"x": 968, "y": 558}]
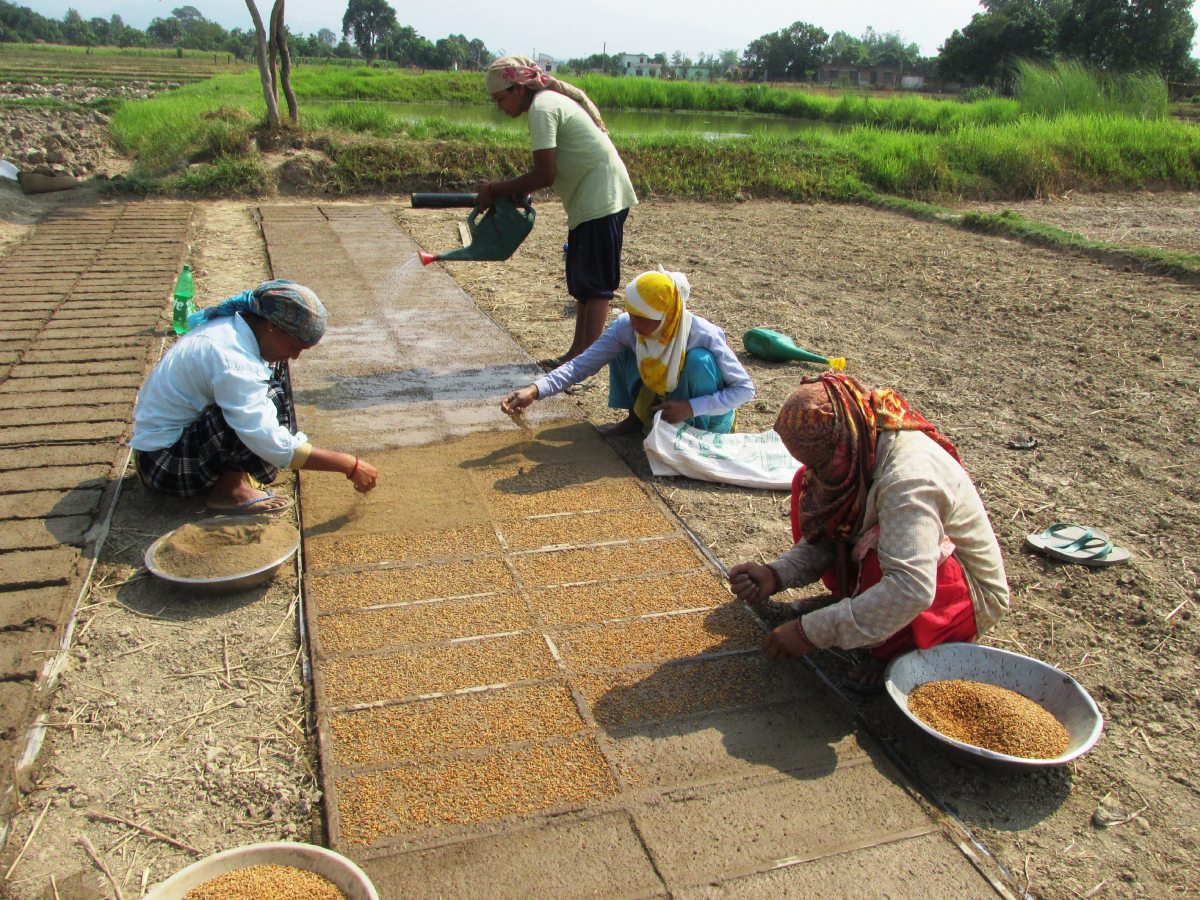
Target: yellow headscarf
[{"x": 661, "y": 296}]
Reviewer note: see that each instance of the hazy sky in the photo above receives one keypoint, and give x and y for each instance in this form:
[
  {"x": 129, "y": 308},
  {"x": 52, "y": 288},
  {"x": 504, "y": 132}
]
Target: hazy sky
[{"x": 634, "y": 26}]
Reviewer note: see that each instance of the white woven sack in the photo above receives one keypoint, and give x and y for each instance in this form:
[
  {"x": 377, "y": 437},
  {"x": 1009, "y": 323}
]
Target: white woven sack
[{"x": 748, "y": 460}]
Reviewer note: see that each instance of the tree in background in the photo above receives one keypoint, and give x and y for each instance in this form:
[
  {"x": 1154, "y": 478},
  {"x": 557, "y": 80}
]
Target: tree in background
[
  {"x": 986, "y": 50},
  {"x": 327, "y": 37},
  {"x": 597, "y": 62},
  {"x": 792, "y": 52},
  {"x": 1112, "y": 35},
  {"x": 368, "y": 20},
  {"x": 1131, "y": 36}
]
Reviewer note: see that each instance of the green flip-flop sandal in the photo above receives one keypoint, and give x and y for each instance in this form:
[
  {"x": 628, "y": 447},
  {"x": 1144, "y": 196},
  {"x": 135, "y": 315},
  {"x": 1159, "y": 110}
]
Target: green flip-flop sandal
[{"x": 1073, "y": 543}]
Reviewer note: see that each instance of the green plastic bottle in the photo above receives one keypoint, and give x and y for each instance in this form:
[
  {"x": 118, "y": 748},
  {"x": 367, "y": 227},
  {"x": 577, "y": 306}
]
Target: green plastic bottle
[
  {"x": 185, "y": 295},
  {"x": 775, "y": 347}
]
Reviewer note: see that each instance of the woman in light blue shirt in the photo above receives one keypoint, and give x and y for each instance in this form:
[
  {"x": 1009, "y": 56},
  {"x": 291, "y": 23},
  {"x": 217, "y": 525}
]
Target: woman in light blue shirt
[
  {"x": 215, "y": 410},
  {"x": 661, "y": 358}
]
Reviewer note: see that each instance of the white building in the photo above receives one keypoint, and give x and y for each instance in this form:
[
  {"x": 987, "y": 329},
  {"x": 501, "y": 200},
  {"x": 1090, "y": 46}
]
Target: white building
[
  {"x": 639, "y": 65},
  {"x": 548, "y": 64}
]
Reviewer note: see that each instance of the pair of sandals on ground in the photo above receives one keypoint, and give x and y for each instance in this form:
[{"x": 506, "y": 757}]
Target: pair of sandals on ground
[{"x": 1064, "y": 541}]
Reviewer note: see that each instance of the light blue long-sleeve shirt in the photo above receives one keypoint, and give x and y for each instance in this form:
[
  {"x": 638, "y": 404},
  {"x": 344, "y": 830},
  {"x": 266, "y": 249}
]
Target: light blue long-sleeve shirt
[
  {"x": 620, "y": 335},
  {"x": 218, "y": 362}
]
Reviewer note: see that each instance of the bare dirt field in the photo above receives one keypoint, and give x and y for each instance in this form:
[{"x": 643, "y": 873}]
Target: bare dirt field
[
  {"x": 1168, "y": 221},
  {"x": 994, "y": 341}
]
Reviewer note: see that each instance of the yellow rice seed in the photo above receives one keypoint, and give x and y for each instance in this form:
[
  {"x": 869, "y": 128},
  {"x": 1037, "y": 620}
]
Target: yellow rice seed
[
  {"x": 338, "y": 592},
  {"x": 437, "y": 793},
  {"x": 366, "y": 679},
  {"x": 536, "y": 712},
  {"x": 424, "y": 623},
  {"x": 619, "y": 599},
  {"x": 330, "y": 551},
  {"x": 658, "y": 639},
  {"x": 599, "y": 563},
  {"x": 593, "y": 528}
]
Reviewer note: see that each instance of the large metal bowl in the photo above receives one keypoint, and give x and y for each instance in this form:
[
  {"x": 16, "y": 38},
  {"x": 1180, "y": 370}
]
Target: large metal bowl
[
  {"x": 1054, "y": 690},
  {"x": 228, "y": 584},
  {"x": 345, "y": 875}
]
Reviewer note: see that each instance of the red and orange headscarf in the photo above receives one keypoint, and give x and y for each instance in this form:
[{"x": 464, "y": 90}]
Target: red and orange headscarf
[{"x": 830, "y": 423}]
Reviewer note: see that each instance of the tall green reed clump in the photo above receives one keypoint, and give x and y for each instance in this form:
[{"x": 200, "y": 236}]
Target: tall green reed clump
[
  {"x": 161, "y": 131},
  {"x": 1068, "y": 86}
]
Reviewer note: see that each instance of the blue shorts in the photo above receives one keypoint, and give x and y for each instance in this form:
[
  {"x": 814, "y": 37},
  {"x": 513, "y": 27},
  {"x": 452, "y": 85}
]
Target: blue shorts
[{"x": 594, "y": 257}]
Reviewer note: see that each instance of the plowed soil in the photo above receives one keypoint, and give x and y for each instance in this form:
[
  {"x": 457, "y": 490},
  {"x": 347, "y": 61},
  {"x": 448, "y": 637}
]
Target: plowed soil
[{"x": 995, "y": 342}]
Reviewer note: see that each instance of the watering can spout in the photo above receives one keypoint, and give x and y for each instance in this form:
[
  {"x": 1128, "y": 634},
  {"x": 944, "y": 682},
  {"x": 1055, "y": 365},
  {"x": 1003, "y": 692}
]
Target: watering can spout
[{"x": 426, "y": 258}]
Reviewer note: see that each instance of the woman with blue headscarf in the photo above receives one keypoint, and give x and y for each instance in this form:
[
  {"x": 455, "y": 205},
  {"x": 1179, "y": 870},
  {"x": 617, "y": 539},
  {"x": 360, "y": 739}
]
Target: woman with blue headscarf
[{"x": 214, "y": 416}]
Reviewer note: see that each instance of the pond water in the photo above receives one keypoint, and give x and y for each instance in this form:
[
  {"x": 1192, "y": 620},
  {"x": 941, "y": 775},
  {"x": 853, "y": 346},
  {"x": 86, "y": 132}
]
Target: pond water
[{"x": 708, "y": 125}]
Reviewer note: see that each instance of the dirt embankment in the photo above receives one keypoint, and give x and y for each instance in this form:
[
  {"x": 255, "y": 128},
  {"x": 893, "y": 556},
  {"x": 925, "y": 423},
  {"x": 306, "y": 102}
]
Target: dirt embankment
[
  {"x": 71, "y": 140},
  {"x": 994, "y": 341}
]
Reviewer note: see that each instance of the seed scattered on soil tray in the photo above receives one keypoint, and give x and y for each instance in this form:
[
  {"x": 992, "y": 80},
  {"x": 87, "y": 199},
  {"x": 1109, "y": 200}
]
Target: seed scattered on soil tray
[
  {"x": 266, "y": 883},
  {"x": 408, "y": 673},
  {"x": 424, "y": 623},
  {"x": 219, "y": 551},
  {"x": 333, "y": 552},
  {"x": 991, "y": 717},
  {"x": 620, "y": 599},
  {"x": 659, "y": 693},
  {"x": 433, "y": 793},
  {"x": 472, "y": 721},
  {"x": 657, "y": 639},
  {"x": 339, "y": 592},
  {"x": 598, "y": 495},
  {"x": 602, "y": 563},
  {"x": 589, "y": 528}
]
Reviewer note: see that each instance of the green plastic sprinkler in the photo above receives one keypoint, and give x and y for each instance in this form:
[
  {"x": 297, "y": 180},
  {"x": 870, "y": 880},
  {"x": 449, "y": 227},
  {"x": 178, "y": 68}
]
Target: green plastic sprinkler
[
  {"x": 495, "y": 233},
  {"x": 775, "y": 347}
]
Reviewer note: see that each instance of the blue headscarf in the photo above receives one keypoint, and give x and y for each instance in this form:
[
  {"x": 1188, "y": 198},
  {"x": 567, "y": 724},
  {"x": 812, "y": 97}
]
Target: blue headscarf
[{"x": 295, "y": 309}]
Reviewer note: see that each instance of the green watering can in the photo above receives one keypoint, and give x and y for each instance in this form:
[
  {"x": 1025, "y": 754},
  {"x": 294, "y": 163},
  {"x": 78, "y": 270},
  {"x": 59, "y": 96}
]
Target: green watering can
[
  {"x": 775, "y": 347},
  {"x": 495, "y": 234}
]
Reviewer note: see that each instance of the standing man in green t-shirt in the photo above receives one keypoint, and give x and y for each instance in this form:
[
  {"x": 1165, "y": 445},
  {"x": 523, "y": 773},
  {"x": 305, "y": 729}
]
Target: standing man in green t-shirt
[{"x": 572, "y": 152}]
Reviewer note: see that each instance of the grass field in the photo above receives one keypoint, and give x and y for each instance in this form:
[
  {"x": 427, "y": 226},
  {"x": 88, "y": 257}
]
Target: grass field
[{"x": 1069, "y": 129}]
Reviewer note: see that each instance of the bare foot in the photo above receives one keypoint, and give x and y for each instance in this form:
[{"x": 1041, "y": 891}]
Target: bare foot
[
  {"x": 866, "y": 677},
  {"x": 628, "y": 426}
]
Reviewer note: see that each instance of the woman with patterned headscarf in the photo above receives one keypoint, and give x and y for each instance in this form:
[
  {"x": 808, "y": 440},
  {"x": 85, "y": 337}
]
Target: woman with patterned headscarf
[
  {"x": 660, "y": 358},
  {"x": 214, "y": 417},
  {"x": 573, "y": 153},
  {"x": 884, "y": 513}
]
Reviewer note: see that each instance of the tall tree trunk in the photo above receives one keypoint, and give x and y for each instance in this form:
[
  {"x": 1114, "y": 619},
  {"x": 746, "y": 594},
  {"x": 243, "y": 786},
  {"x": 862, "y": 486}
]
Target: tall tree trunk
[
  {"x": 272, "y": 36},
  {"x": 264, "y": 73},
  {"x": 285, "y": 68}
]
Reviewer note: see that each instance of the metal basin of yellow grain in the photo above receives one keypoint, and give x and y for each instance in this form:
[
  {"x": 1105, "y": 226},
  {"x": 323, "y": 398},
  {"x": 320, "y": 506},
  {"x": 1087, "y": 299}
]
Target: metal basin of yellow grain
[
  {"x": 1052, "y": 689},
  {"x": 344, "y": 875}
]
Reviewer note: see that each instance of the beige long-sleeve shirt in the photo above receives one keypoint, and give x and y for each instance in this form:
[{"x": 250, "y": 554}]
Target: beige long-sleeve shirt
[{"x": 919, "y": 497}]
